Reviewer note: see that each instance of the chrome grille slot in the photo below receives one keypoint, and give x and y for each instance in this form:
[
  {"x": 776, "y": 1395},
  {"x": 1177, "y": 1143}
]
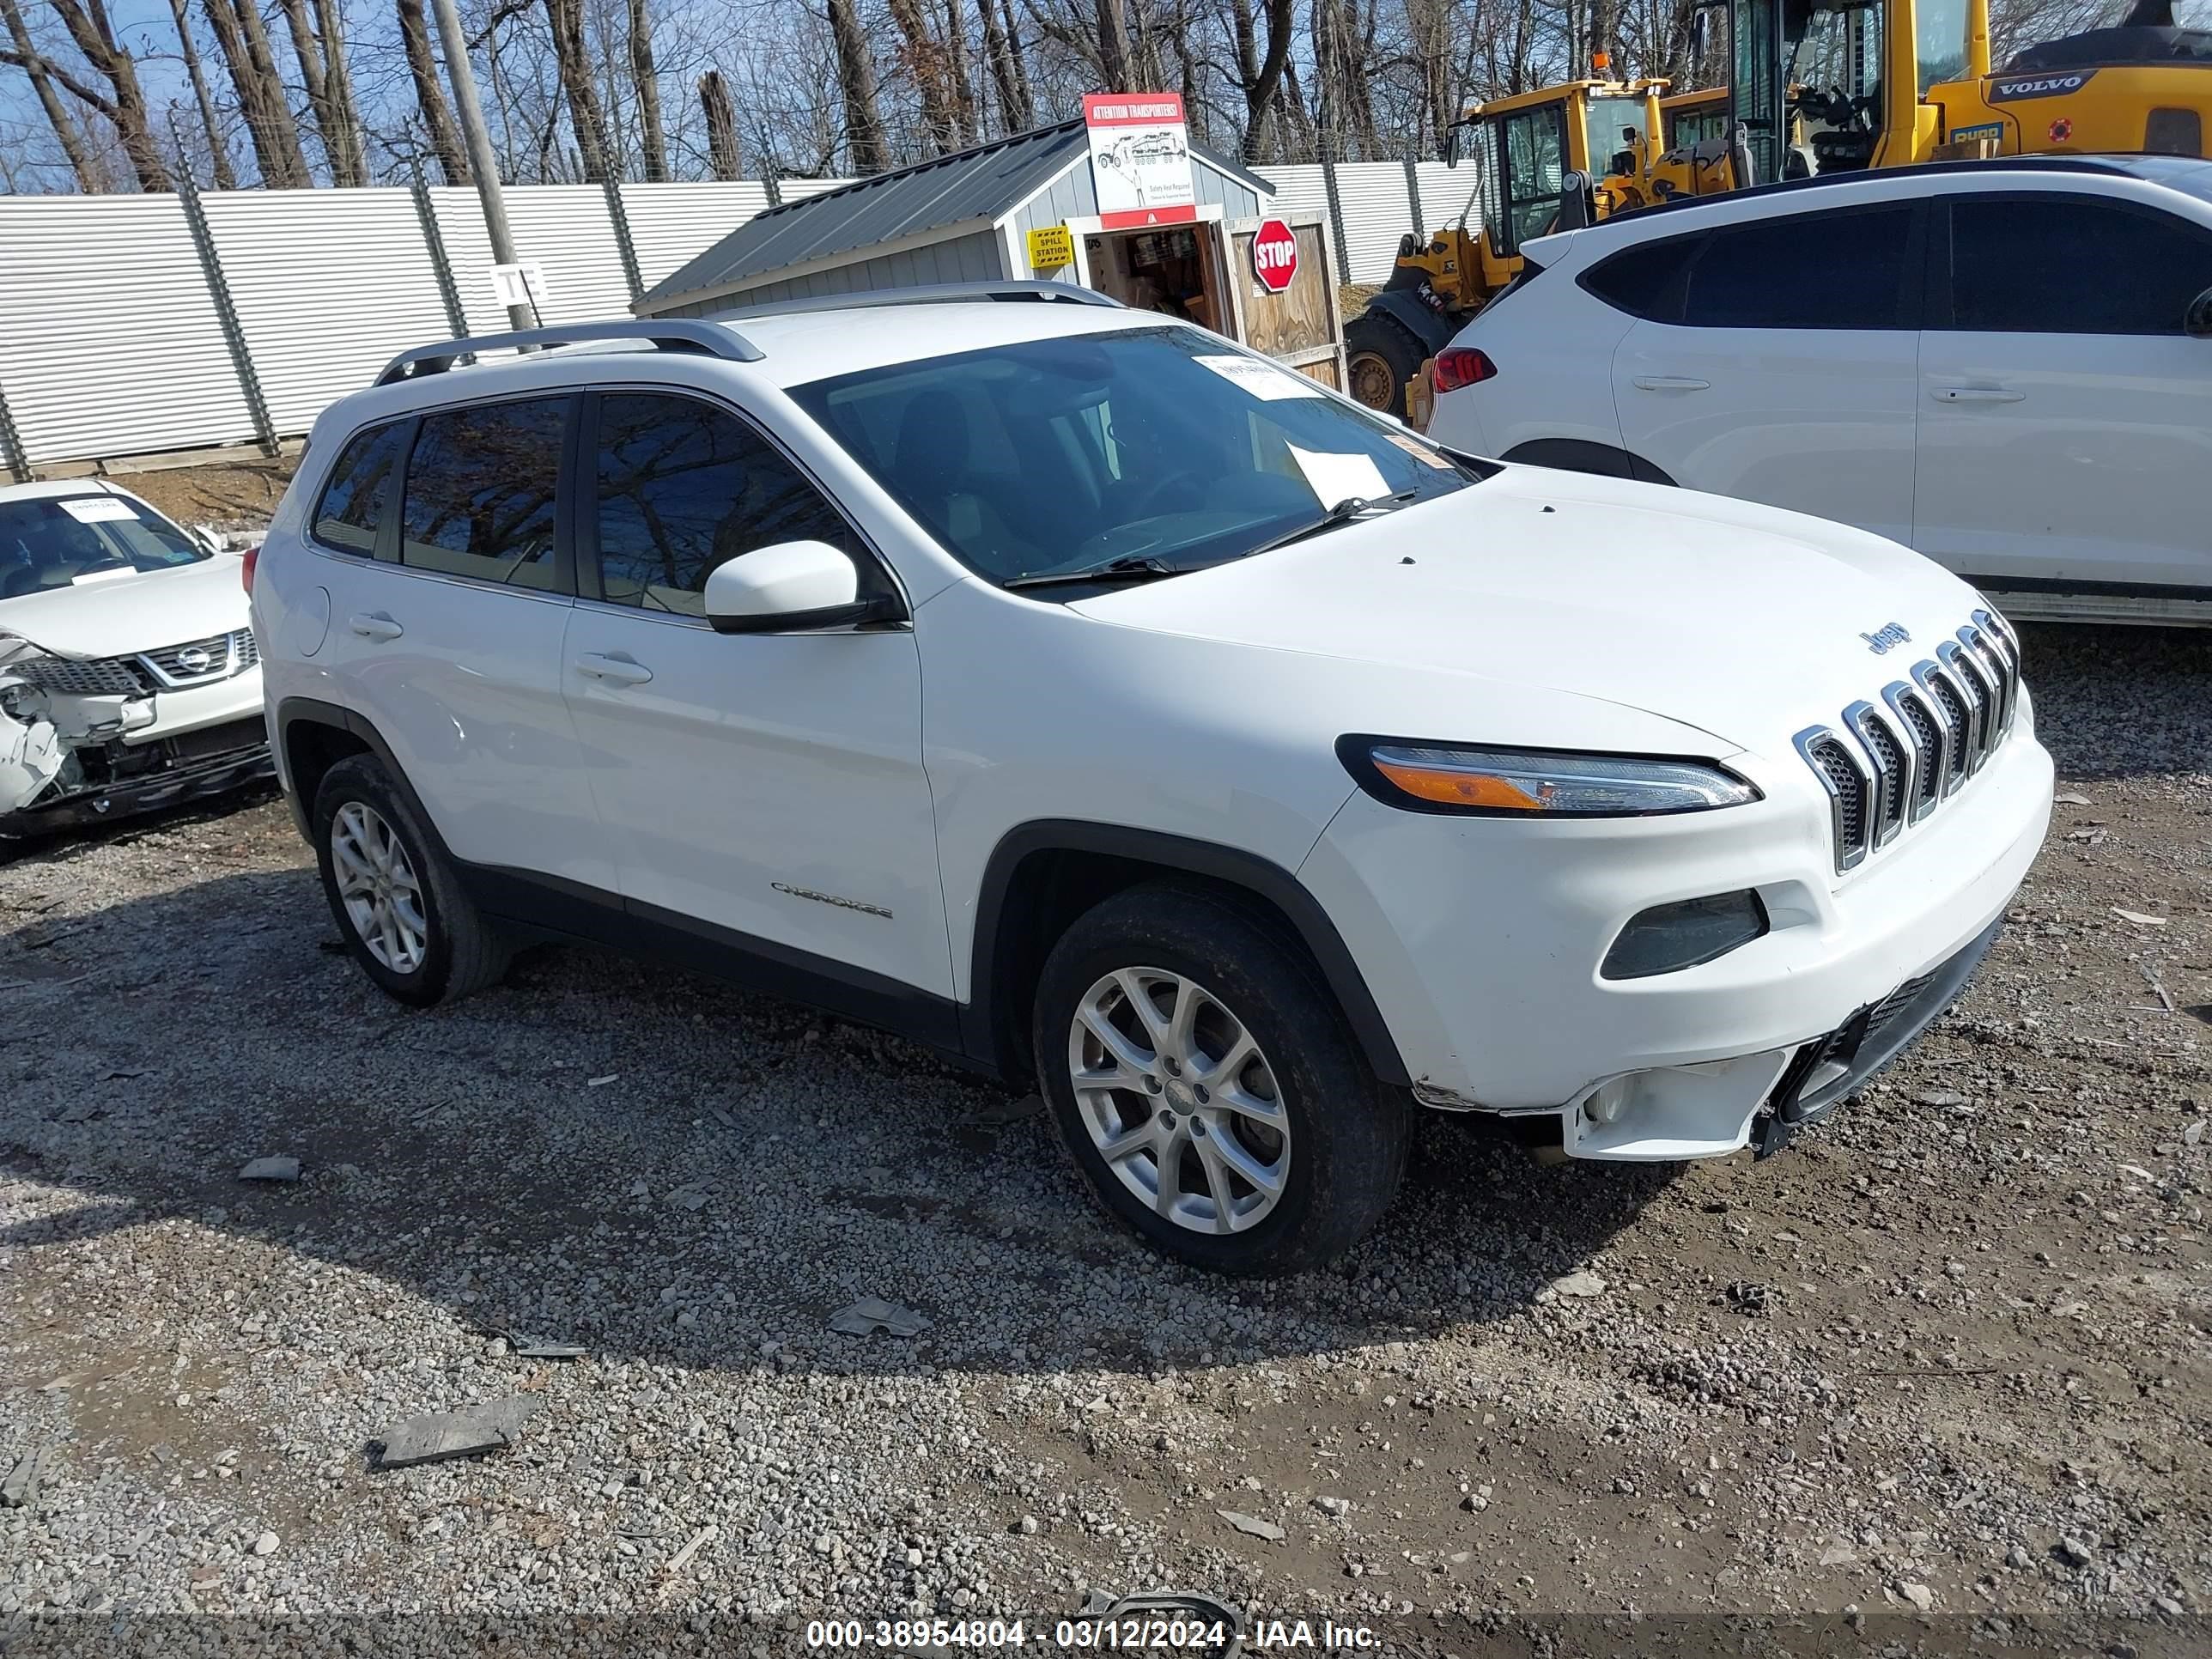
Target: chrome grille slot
[
  {"x": 1889, "y": 765},
  {"x": 1892, "y": 777},
  {"x": 1925, "y": 733},
  {"x": 245, "y": 650},
  {"x": 105, "y": 677}
]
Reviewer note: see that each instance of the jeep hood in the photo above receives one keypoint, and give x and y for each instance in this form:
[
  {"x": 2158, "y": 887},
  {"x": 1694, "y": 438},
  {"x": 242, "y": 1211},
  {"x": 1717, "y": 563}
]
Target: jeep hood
[
  {"x": 1744, "y": 622},
  {"x": 116, "y": 615}
]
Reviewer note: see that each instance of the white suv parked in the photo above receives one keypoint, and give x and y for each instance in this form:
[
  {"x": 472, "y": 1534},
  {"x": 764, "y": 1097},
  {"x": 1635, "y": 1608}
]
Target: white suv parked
[
  {"x": 2006, "y": 365},
  {"x": 1108, "y": 707}
]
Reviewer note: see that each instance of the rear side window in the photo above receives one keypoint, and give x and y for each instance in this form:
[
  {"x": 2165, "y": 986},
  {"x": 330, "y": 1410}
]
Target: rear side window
[
  {"x": 2049, "y": 264},
  {"x": 682, "y": 487},
  {"x": 481, "y": 489},
  {"x": 357, "y": 497},
  {"x": 1809, "y": 271},
  {"x": 1645, "y": 281}
]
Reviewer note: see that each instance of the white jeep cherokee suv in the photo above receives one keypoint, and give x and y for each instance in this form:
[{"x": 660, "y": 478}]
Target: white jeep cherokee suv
[{"x": 1091, "y": 700}]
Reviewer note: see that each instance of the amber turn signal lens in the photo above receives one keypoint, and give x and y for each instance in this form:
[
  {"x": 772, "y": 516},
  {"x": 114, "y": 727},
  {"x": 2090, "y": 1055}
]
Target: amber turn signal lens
[{"x": 1449, "y": 788}]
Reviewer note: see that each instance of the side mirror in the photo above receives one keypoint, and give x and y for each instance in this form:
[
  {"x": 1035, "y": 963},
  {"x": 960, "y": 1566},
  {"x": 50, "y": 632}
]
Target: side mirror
[
  {"x": 2196, "y": 321},
  {"x": 1701, "y": 35},
  {"x": 787, "y": 587},
  {"x": 1452, "y": 141}
]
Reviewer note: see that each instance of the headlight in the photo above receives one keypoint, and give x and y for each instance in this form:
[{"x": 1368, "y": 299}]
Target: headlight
[{"x": 1532, "y": 783}]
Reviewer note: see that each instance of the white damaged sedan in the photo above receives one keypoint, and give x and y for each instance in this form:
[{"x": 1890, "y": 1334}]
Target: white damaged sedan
[{"x": 129, "y": 676}]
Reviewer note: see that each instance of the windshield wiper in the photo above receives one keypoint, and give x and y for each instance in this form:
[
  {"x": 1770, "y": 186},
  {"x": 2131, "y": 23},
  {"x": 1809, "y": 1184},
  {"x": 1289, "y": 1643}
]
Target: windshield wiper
[
  {"x": 1127, "y": 569},
  {"x": 1343, "y": 512}
]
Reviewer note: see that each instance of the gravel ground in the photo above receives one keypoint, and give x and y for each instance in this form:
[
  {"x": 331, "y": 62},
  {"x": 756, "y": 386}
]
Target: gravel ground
[{"x": 1937, "y": 1374}]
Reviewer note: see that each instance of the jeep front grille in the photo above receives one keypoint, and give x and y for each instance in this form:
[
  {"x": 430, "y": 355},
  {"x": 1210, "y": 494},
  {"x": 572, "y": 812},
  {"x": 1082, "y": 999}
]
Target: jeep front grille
[{"x": 1887, "y": 765}]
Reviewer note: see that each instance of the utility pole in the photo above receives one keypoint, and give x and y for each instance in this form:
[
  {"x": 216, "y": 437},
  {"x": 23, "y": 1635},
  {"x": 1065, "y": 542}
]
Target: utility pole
[{"x": 481, "y": 161}]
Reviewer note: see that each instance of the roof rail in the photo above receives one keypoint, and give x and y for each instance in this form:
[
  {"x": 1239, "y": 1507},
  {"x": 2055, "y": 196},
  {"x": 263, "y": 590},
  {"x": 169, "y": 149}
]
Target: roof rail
[
  {"x": 926, "y": 294},
  {"x": 670, "y": 334}
]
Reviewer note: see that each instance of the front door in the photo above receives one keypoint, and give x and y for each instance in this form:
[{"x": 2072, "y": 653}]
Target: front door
[
  {"x": 2065, "y": 417},
  {"x": 764, "y": 790},
  {"x": 1788, "y": 376}
]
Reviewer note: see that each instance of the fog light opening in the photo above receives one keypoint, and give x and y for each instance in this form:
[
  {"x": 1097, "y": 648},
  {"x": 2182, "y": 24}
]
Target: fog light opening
[
  {"x": 1608, "y": 1101},
  {"x": 1669, "y": 938}
]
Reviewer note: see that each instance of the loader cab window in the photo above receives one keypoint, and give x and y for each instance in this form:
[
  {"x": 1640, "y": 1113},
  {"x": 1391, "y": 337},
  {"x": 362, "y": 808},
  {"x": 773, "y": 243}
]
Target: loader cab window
[
  {"x": 1613, "y": 125},
  {"x": 1526, "y": 157},
  {"x": 1807, "y": 83}
]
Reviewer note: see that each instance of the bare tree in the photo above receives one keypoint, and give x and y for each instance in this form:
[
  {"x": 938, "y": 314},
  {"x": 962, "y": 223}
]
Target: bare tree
[
  {"x": 1002, "y": 50},
  {"x": 573, "y": 57},
  {"x": 648, "y": 83},
  {"x": 1114, "y": 46},
  {"x": 219, "y": 152},
  {"x": 275, "y": 138},
  {"x": 865, "y": 140},
  {"x": 438, "y": 122},
  {"x": 723, "y": 155},
  {"x": 323, "y": 75},
  {"x": 24, "y": 55},
  {"x": 124, "y": 103}
]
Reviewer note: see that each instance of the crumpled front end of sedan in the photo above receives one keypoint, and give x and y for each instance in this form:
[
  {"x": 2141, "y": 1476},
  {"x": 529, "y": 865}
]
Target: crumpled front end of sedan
[{"x": 87, "y": 738}]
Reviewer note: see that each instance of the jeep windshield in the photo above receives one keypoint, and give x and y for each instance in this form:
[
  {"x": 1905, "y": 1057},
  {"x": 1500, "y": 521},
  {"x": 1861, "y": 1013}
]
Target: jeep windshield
[
  {"x": 1131, "y": 454},
  {"x": 50, "y": 542}
]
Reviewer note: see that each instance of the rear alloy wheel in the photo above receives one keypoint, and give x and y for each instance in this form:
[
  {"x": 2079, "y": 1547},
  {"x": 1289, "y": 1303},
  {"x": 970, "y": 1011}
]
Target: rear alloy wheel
[
  {"x": 395, "y": 897},
  {"x": 1206, "y": 1086}
]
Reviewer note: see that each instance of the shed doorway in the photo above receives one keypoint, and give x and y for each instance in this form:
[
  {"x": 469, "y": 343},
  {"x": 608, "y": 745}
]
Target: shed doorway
[{"x": 1175, "y": 271}]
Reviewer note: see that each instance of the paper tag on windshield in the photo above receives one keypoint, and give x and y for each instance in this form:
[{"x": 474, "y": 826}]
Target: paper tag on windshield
[
  {"x": 97, "y": 509},
  {"x": 1334, "y": 478},
  {"x": 1419, "y": 451},
  {"x": 1262, "y": 380}
]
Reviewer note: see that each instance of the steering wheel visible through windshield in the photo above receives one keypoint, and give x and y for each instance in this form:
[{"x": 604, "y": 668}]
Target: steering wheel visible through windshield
[{"x": 1167, "y": 446}]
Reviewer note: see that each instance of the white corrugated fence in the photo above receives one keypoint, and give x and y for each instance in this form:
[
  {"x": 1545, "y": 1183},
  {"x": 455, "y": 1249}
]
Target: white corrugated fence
[{"x": 114, "y": 342}]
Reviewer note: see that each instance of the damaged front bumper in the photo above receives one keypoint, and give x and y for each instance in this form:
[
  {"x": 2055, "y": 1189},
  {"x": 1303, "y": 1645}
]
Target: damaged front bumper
[{"x": 75, "y": 749}]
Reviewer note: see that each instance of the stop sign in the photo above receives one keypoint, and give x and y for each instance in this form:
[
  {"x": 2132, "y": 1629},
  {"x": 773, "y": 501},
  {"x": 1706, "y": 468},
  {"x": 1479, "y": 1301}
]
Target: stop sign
[{"x": 1274, "y": 255}]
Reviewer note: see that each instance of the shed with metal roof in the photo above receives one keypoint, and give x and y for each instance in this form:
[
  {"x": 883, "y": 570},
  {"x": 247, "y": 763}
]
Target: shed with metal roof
[{"x": 963, "y": 217}]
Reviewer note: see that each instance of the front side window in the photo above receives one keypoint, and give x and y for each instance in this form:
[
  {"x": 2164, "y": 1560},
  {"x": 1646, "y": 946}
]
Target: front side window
[
  {"x": 481, "y": 489},
  {"x": 680, "y": 487},
  {"x": 1535, "y": 146},
  {"x": 2049, "y": 264},
  {"x": 1163, "y": 445},
  {"x": 354, "y": 500},
  {"x": 1809, "y": 271},
  {"x": 65, "y": 541}
]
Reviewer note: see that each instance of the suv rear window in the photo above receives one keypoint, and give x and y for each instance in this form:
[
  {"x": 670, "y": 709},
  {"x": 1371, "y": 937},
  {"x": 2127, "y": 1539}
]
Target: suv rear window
[
  {"x": 355, "y": 500},
  {"x": 1645, "y": 281},
  {"x": 481, "y": 487}
]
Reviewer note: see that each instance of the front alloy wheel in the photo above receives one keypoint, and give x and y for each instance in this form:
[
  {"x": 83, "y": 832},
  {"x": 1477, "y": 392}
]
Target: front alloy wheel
[
  {"x": 378, "y": 886},
  {"x": 1179, "y": 1101}
]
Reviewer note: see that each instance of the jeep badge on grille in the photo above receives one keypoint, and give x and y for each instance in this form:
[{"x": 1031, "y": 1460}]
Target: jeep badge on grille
[{"x": 1888, "y": 634}]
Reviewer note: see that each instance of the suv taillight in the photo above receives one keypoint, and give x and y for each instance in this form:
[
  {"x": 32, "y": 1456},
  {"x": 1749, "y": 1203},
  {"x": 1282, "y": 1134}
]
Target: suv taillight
[
  {"x": 252, "y": 557},
  {"x": 1459, "y": 366}
]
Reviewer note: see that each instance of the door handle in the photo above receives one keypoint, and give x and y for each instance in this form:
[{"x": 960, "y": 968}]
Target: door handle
[
  {"x": 1669, "y": 383},
  {"x": 375, "y": 625},
  {"x": 620, "y": 670},
  {"x": 1976, "y": 394}
]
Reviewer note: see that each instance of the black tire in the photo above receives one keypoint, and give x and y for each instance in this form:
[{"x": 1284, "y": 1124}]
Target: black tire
[
  {"x": 463, "y": 952},
  {"x": 1378, "y": 346},
  {"x": 1347, "y": 1132}
]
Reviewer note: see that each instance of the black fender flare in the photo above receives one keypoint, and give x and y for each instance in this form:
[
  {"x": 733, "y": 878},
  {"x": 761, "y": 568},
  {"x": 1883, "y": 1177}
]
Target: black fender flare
[
  {"x": 1229, "y": 866},
  {"x": 1581, "y": 455},
  {"x": 1402, "y": 307}
]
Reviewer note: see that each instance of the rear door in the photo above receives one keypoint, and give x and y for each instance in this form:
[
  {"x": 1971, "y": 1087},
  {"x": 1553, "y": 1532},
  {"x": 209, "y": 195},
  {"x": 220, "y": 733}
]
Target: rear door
[
  {"x": 2065, "y": 417},
  {"x": 446, "y": 622},
  {"x": 1775, "y": 360}
]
